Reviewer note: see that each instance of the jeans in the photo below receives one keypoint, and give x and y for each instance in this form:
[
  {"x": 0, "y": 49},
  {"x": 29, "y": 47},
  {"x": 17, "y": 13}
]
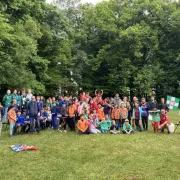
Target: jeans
[
  {"x": 95, "y": 131},
  {"x": 37, "y": 119},
  {"x": 71, "y": 123},
  {"x": 5, "y": 114},
  {"x": 104, "y": 131},
  {"x": 12, "y": 126}
]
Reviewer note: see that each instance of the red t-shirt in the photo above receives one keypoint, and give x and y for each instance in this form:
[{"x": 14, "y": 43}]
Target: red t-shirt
[{"x": 163, "y": 119}]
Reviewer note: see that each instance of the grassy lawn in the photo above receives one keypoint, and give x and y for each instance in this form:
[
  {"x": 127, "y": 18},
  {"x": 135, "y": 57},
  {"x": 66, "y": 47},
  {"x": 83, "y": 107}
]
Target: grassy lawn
[{"x": 144, "y": 155}]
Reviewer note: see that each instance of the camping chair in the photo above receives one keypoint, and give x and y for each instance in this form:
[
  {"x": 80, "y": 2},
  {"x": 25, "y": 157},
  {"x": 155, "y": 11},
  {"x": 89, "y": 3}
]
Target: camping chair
[{"x": 177, "y": 126}]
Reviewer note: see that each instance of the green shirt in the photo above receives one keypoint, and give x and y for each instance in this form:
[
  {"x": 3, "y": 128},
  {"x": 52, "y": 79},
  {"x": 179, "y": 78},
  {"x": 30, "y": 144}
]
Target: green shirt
[
  {"x": 127, "y": 127},
  {"x": 105, "y": 125},
  {"x": 155, "y": 116},
  {"x": 7, "y": 100}
]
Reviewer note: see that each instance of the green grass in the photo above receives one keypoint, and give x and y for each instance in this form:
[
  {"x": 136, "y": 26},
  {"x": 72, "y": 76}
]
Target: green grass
[{"x": 69, "y": 156}]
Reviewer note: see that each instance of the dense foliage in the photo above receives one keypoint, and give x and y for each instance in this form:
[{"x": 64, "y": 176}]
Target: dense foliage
[{"x": 117, "y": 45}]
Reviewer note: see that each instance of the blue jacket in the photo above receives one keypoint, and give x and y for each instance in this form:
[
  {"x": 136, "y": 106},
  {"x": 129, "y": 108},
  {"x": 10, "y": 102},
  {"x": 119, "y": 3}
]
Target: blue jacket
[
  {"x": 44, "y": 114},
  {"x": 54, "y": 110},
  {"x": 20, "y": 119}
]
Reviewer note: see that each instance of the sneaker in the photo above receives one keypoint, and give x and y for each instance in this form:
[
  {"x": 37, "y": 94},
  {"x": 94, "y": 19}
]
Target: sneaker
[
  {"x": 65, "y": 131},
  {"x": 169, "y": 132},
  {"x": 38, "y": 132}
]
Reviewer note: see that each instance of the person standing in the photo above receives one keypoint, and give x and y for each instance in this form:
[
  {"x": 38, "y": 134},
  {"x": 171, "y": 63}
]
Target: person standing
[
  {"x": 7, "y": 102},
  {"x": 19, "y": 100},
  {"x": 163, "y": 105},
  {"x": 54, "y": 112},
  {"x": 71, "y": 115},
  {"x": 33, "y": 113},
  {"x": 153, "y": 104},
  {"x": 117, "y": 100},
  {"x": 29, "y": 94},
  {"x": 144, "y": 114}
]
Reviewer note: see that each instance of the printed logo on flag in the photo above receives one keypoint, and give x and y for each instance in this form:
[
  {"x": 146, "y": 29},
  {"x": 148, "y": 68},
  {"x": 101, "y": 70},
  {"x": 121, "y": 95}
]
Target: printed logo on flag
[{"x": 172, "y": 102}]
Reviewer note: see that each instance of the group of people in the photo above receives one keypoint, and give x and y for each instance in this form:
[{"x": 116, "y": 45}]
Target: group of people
[{"x": 27, "y": 113}]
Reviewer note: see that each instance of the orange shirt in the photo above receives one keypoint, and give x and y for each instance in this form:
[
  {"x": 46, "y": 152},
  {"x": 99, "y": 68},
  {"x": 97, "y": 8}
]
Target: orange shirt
[
  {"x": 12, "y": 115},
  {"x": 71, "y": 110},
  {"x": 100, "y": 113},
  {"x": 123, "y": 113},
  {"x": 82, "y": 125},
  {"x": 115, "y": 114}
]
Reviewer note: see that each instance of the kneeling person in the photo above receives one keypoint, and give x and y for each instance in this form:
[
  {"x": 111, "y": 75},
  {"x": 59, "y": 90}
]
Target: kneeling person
[{"x": 164, "y": 122}]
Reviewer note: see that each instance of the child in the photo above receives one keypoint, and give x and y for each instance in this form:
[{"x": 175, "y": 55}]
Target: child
[
  {"x": 137, "y": 115},
  {"x": 49, "y": 117},
  {"x": 43, "y": 119},
  {"x": 105, "y": 124},
  {"x": 164, "y": 122},
  {"x": 19, "y": 122},
  {"x": 54, "y": 112},
  {"x": 114, "y": 129},
  {"x": 82, "y": 126},
  {"x": 155, "y": 119},
  {"x": 115, "y": 115},
  {"x": 123, "y": 113},
  {"x": 63, "y": 118},
  {"x": 26, "y": 125},
  {"x": 92, "y": 128},
  {"x": 100, "y": 112},
  {"x": 12, "y": 119},
  {"x": 127, "y": 129},
  {"x": 95, "y": 118}
]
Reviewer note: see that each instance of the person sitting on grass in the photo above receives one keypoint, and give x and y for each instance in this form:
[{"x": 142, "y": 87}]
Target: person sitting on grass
[
  {"x": 12, "y": 120},
  {"x": 105, "y": 124},
  {"x": 127, "y": 128},
  {"x": 164, "y": 122},
  {"x": 114, "y": 129},
  {"x": 155, "y": 119},
  {"x": 92, "y": 127},
  {"x": 82, "y": 126}
]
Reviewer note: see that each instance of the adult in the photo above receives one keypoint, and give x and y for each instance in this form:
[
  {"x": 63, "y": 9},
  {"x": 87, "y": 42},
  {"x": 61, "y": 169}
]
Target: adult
[
  {"x": 7, "y": 102},
  {"x": 107, "y": 107},
  {"x": 153, "y": 104},
  {"x": 14, "y": 95},
  {"x": 117, "y": 100},
  {"x": 19, "y": 100},
  {"x": 23, "y": 96},
  {"x": 133, "y": 107},
  {"x": 29, "y": 94},
  {"x": 145, "y": 113},
  {"x": 33, "y": 113},
  {"x": 163, "y": 105}
]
